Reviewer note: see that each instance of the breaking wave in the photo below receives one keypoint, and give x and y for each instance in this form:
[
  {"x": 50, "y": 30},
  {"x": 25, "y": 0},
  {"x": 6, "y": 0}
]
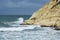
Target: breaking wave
[
  {"x": 22, "y": 27},
  {"x": 15, "y": 25}
]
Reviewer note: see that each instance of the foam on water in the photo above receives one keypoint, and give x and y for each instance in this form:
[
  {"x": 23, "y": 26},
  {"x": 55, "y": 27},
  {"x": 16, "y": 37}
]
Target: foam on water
[
  {"x": 45, "y": 33},
  {"x": 19, "y": 21},
  {"x": 22, "y": 27},
  {"x": 16, "y": 33}
]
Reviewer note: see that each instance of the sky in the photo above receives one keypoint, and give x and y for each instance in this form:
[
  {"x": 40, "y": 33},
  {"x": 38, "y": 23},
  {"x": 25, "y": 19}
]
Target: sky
[{"x": 20, "y": 7}]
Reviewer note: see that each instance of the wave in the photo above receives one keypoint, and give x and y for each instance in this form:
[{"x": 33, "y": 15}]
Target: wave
[
  {"x": 15, "y": 23},
  {"x": 22, "y": 27}
]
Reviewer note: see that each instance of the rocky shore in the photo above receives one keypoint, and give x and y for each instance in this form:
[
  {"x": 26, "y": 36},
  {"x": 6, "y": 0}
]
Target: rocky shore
[{"x": 48, "y": 15}]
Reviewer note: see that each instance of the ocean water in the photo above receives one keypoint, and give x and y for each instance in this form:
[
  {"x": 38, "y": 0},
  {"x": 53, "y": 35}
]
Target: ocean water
[{"x": 10, "y": 29}]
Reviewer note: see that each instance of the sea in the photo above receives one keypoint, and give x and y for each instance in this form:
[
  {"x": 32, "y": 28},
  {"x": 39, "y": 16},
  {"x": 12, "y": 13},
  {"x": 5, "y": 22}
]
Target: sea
[{"x": 11, "y": 29}]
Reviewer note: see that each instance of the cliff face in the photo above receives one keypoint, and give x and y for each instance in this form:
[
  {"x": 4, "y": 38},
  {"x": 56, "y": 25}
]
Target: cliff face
[{"x": 48, "y": 15}]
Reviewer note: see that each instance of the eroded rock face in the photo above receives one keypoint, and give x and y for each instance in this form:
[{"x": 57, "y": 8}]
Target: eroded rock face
[{"x": 48, "y": 15}]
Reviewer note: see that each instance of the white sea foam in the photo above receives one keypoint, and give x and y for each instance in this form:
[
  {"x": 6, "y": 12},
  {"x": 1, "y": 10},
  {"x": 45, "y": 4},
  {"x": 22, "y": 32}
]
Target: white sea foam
[
  {"x": 14, "y": 33},
  {"x": 19, "y": 20},
  {"x": 45, "y": 34},
  {"x": 22, "y": 27}
]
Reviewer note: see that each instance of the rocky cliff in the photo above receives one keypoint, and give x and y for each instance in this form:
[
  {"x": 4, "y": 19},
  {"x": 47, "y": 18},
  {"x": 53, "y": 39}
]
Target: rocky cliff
[{"x": 48, "y": 15}]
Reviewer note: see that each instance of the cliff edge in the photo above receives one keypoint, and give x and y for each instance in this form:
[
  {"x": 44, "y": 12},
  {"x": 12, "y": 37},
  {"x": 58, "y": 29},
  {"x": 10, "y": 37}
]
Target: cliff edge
[{"x": 48, "y": 15}]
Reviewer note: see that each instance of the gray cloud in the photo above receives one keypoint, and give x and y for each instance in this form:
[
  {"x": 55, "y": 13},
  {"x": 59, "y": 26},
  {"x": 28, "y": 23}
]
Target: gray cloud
[
  {"x": 20, "y": 7},
  {"x": 23, "y": 3}
]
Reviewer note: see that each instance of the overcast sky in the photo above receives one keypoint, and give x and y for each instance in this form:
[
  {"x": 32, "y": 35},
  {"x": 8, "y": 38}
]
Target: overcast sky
[{"x": 20, "y": 7}]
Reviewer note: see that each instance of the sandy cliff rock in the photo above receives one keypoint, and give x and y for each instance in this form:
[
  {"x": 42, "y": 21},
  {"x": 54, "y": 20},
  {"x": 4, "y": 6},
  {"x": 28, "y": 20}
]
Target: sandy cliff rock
[{"x": 48, "y": 15}]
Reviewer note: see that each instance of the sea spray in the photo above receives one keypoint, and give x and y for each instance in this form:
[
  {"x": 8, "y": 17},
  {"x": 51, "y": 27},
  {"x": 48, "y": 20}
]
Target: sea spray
[{"x": 15, "y": 23}]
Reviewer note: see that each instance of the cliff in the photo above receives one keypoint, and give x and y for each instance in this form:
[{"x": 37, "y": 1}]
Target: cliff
[{"x": 48, "y": 15}]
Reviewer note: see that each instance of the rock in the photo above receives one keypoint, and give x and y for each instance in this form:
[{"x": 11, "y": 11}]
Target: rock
[
  {"x": 48, "y": 15},
  {"x": 28, "y": 22}
]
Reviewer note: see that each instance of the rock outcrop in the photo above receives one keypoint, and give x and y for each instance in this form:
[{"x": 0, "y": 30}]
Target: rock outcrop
[{"x": 48, "y": 15}]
